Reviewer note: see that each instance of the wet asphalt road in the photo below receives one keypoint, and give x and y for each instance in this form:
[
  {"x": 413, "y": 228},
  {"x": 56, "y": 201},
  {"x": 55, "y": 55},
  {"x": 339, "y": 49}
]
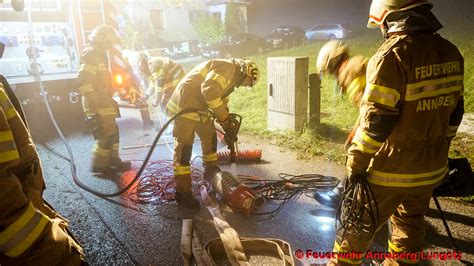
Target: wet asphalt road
[{"x": 119, "y": 231}]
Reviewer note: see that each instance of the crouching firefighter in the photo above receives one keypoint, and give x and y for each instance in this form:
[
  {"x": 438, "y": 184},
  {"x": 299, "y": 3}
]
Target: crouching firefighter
[
  {"x": 162, "y": 75},
  {"x": 410, "y": 111},
  {"x": 207, "y": 86},
  {"x": 31, "y": 232},
  {"x": 99, "y": 106}
]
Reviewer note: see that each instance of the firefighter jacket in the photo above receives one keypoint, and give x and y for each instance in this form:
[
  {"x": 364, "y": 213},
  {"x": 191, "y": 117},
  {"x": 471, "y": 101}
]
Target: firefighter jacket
[
  {"x": 165, "y": 75},
  {"x": 351, "y": 78},
  {"x": 95, "y": 83},
  {"x": 206, "y": 86},
  {"x": 411, "y": 108},
  {"x": 24, "y": 217}
]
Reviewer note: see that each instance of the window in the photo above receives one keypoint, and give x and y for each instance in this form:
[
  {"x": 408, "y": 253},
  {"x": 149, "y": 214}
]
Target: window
[
  {"x": 195, "y": 15},
  {"x": 157, "y": 20}
]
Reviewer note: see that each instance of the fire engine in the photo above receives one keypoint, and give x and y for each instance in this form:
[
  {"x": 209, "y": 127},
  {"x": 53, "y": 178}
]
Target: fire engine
[{"x": 56, "y": 31}]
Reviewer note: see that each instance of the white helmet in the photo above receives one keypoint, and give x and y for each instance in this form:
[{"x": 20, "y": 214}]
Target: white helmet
[
  {"x": 380, "y": 9},
  {"x": 331, "y": 55}
]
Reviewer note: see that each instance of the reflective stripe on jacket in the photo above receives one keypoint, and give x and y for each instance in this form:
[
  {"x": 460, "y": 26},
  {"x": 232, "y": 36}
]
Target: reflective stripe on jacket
[
  {"x": 95, "y": 81},
  {"x": 165, "y": 74},
  {"x": 8, "y": 150},
  {"x": 413, "y": 104},
  {"x": 206, "y": 86},
  {"x": 23, "y": 232}
]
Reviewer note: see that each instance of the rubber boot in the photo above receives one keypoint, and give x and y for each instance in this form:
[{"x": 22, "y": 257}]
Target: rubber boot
[
  {"x": 210, "y": 172},
  {"x": 184, "y": 196},
  {"x": 120, "y": 165},
  {"x": 187, "y": 200},
  {"x": 106, "y": 170},
  {"x": 101, "y": 165},
  {"x": 147, "y": 122}
]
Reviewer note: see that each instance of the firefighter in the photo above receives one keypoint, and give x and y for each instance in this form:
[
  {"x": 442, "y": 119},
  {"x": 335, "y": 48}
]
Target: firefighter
[
  {"x": 133, "y": 93},
  {"x": 349, "y": 71},
  {"x": 207, "y": 86},
  {"x": 411, "y": 109},
  {"x": 98, "y": 104},
  {"x": 31, "y": 232},
  {"x": 163, "y": 75}
]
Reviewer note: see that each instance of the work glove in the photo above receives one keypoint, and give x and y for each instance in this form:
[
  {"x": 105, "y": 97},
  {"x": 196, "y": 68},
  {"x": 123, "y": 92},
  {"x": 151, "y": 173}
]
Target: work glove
[
  {"x": 356, "y": 177},
  {"x": 226, "y": 124}
]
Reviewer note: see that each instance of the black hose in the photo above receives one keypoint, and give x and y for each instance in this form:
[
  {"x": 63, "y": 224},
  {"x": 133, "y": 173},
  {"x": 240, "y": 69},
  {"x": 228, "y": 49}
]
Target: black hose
[
  {"x": 145, "y": 162},
  {"x": 288, "y": 187},
  {"x": 358, "y": 212}
]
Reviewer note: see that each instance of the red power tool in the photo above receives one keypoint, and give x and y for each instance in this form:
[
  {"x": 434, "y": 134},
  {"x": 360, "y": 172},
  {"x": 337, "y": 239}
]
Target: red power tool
[{"x": 238, "y": 196}]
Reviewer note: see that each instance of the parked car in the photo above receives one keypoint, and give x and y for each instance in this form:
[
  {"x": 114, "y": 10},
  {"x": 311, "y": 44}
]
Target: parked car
[
  {"x": 236, "y": 45},
  {"x": 284, "y": 37},
  {"x": 329, "y": 31}
]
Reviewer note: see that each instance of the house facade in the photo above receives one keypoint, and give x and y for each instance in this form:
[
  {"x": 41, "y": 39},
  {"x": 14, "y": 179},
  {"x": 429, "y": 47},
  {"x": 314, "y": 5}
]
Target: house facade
[{"x": 173, "y": 21}]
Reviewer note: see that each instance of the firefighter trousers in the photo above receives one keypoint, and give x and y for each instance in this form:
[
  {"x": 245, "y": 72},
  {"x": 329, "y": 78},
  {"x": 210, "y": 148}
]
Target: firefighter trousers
[
  {"x": 183, "y": 133},
  {"x": 105, "y": 150},
  {"x": 405, "y": 208}
]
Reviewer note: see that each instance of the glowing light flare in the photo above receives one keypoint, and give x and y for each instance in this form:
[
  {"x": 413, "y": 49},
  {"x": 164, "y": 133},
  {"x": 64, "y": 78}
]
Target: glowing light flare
[
  {"x": 118, "y": 79},
  {"x": 326, "y": 224}
]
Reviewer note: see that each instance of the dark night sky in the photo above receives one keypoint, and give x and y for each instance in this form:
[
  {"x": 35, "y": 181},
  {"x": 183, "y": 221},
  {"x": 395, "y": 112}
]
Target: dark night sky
[{"x": 265, "y": 14}]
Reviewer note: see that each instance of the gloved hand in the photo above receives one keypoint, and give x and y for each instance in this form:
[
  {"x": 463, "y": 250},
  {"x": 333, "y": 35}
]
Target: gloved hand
[
  {"x": 356, "y": 177},
  {"x": 226, "y": 124},
  {"x": 91, "y": 120}
]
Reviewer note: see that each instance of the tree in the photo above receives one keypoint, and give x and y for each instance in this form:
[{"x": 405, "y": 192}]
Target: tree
[
  {"x": 140, "y": 35},
  {"x": 208, "y": 29}
]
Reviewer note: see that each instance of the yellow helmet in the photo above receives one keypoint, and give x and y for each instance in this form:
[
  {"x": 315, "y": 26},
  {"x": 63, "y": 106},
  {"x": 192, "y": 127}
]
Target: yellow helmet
[
  {"x": 380, "y": 9},
  {"x": 103, "y": 34},
  {"x": 331, "y": 56},
  {"x": 251, "y": 70}
]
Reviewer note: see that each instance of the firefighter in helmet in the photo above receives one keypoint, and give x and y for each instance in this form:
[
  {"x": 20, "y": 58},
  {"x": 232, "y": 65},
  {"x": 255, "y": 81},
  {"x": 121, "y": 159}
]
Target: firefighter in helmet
[
  {"x": 410, "y": 111},
  {"x": 207, "y": 86},
  {"x": 162, "y": 75},
  {"x": 99, "y": 107},
  {"x": 31, "y": 232},
  {"x": 349, "y": 71},
  {"x": 133, "y": 92}
]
